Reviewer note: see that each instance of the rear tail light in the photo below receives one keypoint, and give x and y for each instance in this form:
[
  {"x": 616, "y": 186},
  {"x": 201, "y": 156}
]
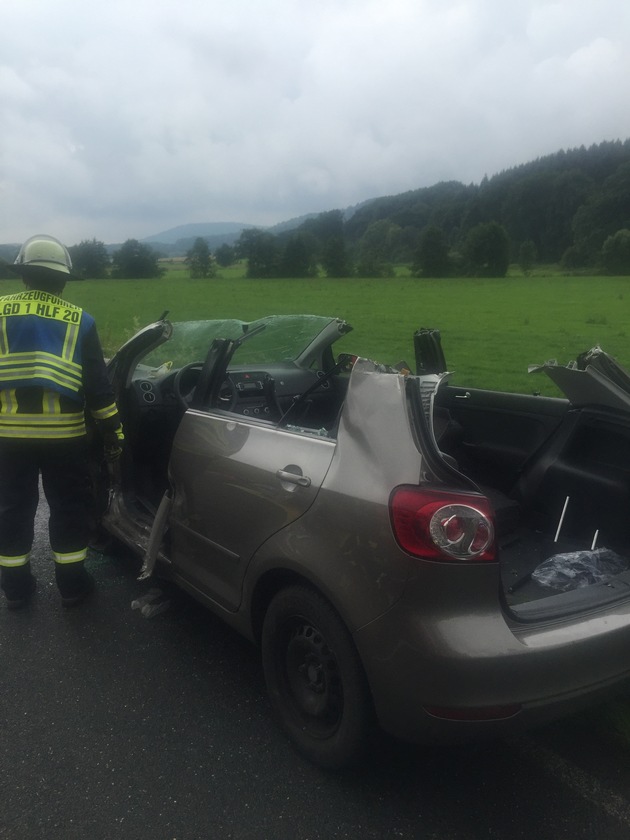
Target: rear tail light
[{"x": 441, "y": 525}]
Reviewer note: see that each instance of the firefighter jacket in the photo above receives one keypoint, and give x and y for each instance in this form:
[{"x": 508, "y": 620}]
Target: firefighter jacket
[{"x": 51, "y": 370}]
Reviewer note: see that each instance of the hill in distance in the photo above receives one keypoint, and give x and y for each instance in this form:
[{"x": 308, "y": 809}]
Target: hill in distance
[
  {"x": 178, "y": 240},
  {"x": 195, "y": 229}
]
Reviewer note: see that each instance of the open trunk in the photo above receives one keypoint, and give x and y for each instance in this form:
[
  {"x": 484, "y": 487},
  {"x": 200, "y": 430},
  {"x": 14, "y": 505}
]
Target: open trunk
[{"x": 557, "y": 472}]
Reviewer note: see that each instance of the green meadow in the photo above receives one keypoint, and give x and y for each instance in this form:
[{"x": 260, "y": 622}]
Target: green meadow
[{"x": 491, "y": 328}]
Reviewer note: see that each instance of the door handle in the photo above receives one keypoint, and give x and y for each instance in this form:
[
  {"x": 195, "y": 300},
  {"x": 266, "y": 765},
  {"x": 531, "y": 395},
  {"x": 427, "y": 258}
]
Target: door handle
[
  {"x": 465, "y": 396},
  {"x": 292, "y": 478}
]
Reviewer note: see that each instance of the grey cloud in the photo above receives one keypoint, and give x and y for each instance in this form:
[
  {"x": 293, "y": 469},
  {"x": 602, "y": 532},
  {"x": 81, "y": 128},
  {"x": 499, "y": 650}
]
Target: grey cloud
[{"x": 119, "y": 118}]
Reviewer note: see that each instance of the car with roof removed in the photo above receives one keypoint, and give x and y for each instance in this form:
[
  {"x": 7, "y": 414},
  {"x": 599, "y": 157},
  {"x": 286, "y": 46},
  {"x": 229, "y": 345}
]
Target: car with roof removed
[{"x": 439, "y": 562}]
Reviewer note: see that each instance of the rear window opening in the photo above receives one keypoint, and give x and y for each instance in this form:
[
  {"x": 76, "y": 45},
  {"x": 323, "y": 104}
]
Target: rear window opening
[{"x": 558, "y": 481}]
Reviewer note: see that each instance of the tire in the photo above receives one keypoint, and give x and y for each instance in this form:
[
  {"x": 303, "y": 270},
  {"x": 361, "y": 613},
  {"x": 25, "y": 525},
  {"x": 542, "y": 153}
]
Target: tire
[{"x": 315, "y": 679}]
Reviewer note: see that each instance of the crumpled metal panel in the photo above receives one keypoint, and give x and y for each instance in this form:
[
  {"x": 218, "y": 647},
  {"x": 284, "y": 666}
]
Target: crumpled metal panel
[
  {"x": 375, "y": 449},
  {"x": 594, "y": 379}
]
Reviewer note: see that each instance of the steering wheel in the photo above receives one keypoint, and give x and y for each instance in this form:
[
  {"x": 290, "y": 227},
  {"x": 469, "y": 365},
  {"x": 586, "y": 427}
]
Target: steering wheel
[
  {"x": 227, "y": 395},
  {"x": 184, "y": 383}
]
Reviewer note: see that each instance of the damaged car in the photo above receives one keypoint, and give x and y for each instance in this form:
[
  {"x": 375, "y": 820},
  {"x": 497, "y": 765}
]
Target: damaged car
[{"x": 379, "y": 532}]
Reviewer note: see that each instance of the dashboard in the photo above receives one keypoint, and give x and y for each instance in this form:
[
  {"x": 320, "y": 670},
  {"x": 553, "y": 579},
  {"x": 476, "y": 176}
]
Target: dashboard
[{"x": 264, "y": 394}]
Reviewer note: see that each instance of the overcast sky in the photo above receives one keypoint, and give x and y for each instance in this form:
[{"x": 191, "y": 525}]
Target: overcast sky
[{"x": 122, "y": 118}]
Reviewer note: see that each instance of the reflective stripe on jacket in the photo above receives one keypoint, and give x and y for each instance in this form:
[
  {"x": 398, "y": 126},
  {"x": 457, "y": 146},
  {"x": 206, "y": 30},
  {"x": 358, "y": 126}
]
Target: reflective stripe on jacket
[
  {"x": 51, "y": 369},
  {"x": 40, "y": 342}
]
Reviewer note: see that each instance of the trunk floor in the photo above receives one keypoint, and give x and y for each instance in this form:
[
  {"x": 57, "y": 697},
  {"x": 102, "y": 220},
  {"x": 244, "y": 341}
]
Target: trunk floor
[{"x": 521, "y": 553}]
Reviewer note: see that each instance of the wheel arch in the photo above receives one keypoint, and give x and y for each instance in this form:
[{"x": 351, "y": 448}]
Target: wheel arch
[{"x": 270, "y": 583}]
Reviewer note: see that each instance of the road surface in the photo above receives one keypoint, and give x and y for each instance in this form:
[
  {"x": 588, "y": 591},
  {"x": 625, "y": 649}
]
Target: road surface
[{"x": 117, "y": 726}]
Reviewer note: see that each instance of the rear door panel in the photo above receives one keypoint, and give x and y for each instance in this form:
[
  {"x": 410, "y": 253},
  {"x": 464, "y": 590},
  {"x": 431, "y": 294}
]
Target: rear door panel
[{"x": 497, "y": 432}]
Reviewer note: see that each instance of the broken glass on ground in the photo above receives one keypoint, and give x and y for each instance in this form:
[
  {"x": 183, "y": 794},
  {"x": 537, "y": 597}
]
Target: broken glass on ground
[{"x": 152, "y": 603}]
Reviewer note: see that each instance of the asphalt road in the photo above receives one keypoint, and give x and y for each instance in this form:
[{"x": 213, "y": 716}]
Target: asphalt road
[{"x": 117, "y": 726}]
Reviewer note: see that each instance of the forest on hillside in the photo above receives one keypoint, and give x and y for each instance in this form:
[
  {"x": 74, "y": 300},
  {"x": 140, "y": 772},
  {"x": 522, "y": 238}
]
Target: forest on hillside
[
  {"x": 571, "y": 208},
  {"x": 569, "y": 200}
]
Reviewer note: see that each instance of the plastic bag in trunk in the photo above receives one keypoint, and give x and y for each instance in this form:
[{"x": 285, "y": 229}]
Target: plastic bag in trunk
[{"x": 575, "y": 569}]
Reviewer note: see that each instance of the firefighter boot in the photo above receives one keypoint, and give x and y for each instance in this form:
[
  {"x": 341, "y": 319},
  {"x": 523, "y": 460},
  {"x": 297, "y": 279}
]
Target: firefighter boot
[
  {"x": 74, "y": 582},
  {"x": 18, "y": 584}
]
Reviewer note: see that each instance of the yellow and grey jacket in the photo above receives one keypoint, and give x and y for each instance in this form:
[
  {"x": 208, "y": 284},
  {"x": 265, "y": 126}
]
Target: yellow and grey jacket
[{"x": 51, "y": 369}]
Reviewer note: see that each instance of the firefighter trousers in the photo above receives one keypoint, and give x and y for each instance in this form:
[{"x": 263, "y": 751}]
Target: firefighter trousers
[{"x": 62, "y": 465}]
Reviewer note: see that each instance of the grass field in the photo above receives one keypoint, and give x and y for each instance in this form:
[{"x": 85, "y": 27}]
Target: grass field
[{"x": 491, "y": 329}]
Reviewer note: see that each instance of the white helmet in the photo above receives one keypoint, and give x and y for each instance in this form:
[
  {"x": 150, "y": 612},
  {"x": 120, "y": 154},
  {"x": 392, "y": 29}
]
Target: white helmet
[{"x": 41, "y": 254}]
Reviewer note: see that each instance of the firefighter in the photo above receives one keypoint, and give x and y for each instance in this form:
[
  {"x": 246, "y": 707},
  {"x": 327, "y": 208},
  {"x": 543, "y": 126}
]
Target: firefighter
[{"x": 51, "y": 372}]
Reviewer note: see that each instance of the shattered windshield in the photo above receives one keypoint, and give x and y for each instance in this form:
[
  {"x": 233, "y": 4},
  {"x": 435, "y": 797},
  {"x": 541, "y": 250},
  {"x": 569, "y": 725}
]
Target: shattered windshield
[{"x": 283, "y": 338}]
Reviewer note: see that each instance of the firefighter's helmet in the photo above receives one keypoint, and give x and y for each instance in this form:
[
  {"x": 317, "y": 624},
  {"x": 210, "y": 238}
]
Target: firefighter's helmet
[{"x": 40, "y": 255}]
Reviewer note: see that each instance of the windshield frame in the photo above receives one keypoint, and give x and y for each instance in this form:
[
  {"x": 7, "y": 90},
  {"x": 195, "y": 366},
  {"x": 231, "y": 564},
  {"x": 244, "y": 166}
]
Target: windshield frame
[{"x": 296, "y": 339}]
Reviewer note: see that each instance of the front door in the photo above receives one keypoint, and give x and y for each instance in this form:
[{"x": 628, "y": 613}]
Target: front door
[{"x": 236, "y": 482}]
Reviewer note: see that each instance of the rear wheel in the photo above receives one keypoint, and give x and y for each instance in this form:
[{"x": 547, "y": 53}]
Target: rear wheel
[{"x": 314, "y": 678}]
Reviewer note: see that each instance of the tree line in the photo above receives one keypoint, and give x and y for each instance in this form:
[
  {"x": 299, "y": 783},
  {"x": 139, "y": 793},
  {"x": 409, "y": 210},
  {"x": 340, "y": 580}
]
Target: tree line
[{"x": 571, "y": 208}]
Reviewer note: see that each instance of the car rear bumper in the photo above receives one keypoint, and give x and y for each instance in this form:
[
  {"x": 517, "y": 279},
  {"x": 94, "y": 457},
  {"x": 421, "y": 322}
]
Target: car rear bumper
[{"x": 450, "y": 679}]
